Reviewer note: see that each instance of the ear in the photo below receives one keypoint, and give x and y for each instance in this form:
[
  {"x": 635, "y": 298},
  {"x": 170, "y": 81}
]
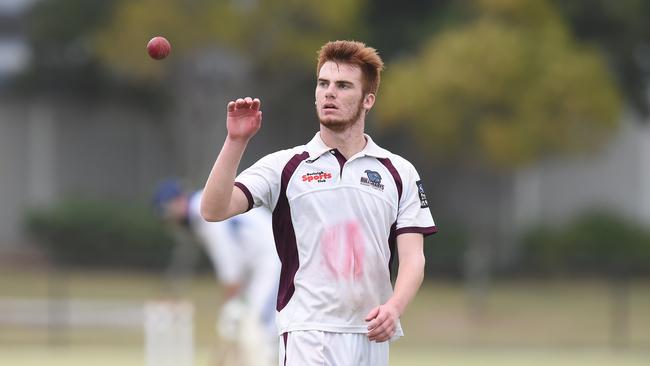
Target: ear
[{"x": 368, "y": 101}]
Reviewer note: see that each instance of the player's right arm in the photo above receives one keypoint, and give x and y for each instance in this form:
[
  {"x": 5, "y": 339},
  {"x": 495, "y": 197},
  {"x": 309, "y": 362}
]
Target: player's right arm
[{"x": 221, "y": 198}]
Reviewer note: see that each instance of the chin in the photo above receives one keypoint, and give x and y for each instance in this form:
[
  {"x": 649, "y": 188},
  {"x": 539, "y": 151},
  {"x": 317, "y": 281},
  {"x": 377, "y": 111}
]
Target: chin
[{"x": 335, "y": 125}]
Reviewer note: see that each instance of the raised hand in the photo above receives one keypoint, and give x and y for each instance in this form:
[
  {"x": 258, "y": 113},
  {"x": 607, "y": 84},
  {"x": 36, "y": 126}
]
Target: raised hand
[{"x": 244, "y": 118}]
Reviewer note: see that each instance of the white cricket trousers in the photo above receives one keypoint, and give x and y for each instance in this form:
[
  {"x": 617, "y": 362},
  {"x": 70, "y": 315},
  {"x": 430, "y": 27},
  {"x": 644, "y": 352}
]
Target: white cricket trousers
[{"x": 317, "y": 348}]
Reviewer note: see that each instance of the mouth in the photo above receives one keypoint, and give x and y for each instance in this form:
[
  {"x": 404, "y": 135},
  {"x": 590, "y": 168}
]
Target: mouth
[{"x": 329, "y": 106}]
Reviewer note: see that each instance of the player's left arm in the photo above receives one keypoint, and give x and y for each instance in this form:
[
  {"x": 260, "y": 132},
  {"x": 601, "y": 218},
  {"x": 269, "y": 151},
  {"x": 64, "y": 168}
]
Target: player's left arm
[{"x": 383, "y": 319}]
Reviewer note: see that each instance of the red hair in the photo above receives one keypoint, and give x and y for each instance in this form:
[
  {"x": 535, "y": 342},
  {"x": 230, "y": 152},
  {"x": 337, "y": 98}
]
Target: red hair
[{"x": 354, "y": 53}]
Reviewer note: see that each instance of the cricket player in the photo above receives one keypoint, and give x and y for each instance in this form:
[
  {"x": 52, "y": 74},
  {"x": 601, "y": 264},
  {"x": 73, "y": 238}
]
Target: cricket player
[
  {"x": 342, "y": 206},
  {"x": 247, "y": 266}
]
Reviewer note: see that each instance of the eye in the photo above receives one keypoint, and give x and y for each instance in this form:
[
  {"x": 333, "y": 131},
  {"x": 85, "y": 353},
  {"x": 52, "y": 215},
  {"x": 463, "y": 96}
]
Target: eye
[{"x": 322, "y": 83}]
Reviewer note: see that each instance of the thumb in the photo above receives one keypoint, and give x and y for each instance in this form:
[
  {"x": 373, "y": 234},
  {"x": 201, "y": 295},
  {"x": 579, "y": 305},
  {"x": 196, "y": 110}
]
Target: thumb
[{"x": 372, "y": 314}]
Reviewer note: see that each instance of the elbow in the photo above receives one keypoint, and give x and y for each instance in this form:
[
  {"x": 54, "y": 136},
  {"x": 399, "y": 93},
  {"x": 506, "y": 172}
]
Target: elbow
[
  {"x": 423, "y": 266},
  {"x": 416, "y": 260},
  {"x": 418, "y": 264},
  {"x": 209, "y": 218},
  {"x": 415, "y": 264},
  {"x": 210, "y": 215}
]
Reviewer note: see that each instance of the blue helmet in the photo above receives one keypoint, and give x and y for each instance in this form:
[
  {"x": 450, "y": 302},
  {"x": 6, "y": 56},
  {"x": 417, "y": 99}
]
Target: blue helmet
[{"x": 166, "y": 191}]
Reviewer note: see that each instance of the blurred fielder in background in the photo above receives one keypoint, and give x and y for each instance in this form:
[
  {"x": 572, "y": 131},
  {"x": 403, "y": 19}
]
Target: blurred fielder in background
[{"x": 247, "y": 266}]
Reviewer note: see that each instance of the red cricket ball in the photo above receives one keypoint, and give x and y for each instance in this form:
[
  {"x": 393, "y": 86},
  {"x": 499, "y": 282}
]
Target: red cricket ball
[{"x": 158, "y": 48}]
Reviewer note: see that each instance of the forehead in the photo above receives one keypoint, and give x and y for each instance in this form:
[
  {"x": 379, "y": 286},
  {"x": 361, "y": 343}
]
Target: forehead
[{"x": 340, "y": 71}]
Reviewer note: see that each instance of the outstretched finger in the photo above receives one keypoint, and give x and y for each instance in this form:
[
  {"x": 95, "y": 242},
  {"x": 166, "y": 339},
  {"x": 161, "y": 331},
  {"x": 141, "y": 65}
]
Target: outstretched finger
[
  {"x": 231, "y": 106},
  {"x": 240, "y": 103},
  {"x": 248, "y": 101}
]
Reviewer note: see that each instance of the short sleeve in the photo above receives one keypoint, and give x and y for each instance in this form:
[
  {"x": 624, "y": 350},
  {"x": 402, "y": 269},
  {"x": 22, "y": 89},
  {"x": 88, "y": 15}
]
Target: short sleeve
[
  {"x": 261, "y": 182},
  {"x": 414, "y": 215}
]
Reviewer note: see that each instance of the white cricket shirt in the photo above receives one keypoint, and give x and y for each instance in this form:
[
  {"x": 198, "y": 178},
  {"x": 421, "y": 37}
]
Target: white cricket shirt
[{"x": 335, "y": 223}]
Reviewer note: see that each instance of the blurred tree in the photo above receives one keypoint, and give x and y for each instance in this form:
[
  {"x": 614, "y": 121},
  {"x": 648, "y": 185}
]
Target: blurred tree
[
  {"x": 596, "y": 242},
  {"x": 60, "y": 34},
  {"x": 503, "y": 88},
  {"x": 622, "y": 30},
  {"x": 398, "y": 27},
  {"x": 98, "y": 46},
  {"x": 275, "y": 34}
]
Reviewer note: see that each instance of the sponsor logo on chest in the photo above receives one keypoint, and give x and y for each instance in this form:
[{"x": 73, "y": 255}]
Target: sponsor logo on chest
[
  {"x": 319, "y": 177},
  {"x": 372, "y": 179}
]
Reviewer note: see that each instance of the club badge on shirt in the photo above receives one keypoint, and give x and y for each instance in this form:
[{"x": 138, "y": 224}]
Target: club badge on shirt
[
  {"x": 372, "y": 179},
  {"x": 424, "y": 203}
]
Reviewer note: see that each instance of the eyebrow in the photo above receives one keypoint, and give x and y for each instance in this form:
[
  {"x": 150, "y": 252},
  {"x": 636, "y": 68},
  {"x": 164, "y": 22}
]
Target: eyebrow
[{"x": 344, "y": 82}]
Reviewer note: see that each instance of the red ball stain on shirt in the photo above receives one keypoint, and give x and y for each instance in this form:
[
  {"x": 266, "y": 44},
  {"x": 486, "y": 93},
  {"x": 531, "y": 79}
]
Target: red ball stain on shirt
[{"x": 343, "y": 250}]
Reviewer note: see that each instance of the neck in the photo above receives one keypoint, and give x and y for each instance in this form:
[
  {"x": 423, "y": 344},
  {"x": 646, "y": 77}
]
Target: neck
[{"x": 348, "y": 141}]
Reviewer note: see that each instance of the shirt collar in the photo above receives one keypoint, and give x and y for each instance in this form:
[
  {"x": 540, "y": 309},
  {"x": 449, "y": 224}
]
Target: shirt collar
[{"x": 317, "y": 147}]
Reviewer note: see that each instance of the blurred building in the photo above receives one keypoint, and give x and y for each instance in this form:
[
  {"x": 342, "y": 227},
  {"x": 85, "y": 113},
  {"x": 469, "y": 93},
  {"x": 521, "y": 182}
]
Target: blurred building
[
  {"x": 14, "y": 58},
  {"x": 53, "y": 147},
  {"x": 14, "y": 49},
  {"x": 616, "y": 178}
]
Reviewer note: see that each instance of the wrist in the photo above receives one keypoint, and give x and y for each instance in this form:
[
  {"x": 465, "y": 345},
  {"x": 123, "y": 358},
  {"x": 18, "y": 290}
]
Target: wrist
[
  {"x": 397, "y": 305},
  {"x": 236, "y": 141}
]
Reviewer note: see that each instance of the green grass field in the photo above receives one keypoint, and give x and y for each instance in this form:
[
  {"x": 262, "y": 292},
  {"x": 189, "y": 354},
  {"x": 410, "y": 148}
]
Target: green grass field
[
  {"x": 400, "y": 356},
  {"x": 528, "y": 322}
]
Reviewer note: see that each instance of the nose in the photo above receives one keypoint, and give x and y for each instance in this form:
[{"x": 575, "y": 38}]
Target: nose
[{"x": 329, "y": 93}]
